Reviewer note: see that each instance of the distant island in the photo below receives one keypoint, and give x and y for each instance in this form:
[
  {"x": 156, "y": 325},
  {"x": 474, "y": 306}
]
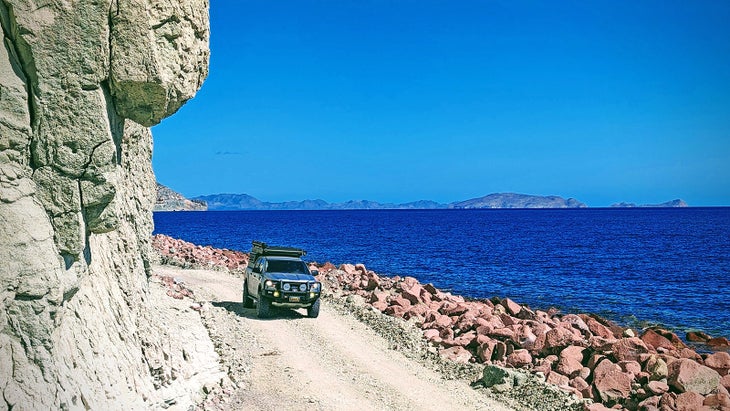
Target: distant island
[
  {"x": 170, "y": 200},
  {"x": 497, "y": 200},
  {"x": 669, "y": 204}
]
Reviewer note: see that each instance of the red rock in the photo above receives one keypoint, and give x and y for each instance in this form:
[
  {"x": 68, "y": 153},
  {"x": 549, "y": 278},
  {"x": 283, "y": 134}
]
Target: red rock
[
  {"x": 698, "y": 336},
  {"x": 378, "y": 296},
  {"x": 466, "y": 339},
  {"x": 597, "y": 406},
  {"x": 502, "y": 333},
  {"x": 717, "y": 401},
  {"x": 558, "y": 379},
  {"x": 412, "y": 293},
  {"x": 629, "y": 349},
  {"x": 348, "y": 268},
  {"x": 719, "y": 361},
  {"x": 718, "y": 342},
  {"x": 400, "y": 301},
  {"x": 456, "y": 310},
  {"x": 650, "y": 404},
  {"x": 361, "y": 268},
  {"x": 582, "y": 386},
  {"x": 667, "y": 401},
  {"x": 725, "y": 381},
  {"x": 508, "y": 320},
  {"x": 457, "y": 354},
  {"x": 557, "y": 339},
  {"x": 610, "y": 382},
  {"x": 689, "y": 353},
  {"x": 380, "y": 305},
  {"x": 689, "y": 401},
  {"x": 571, "y": 361},
  {"x": 576, "y": 322},
  {"x": 601, "y": 328},
  {"x": 485, "y": 350},
  {"x": 519, "y": 358},
  {"x": 443, "y": 321},
  {"x": 525, "y": 337},
  {"x": 466, "y": 322},
  {"x": 431, "y": 334},
  {"x": 687, "y": 375},
  {"x": 655, "y": 340},
  {"x": 657, "y": 387},
  {"x": 512, "y": 307},
  {"x": 631, "y": 367}
]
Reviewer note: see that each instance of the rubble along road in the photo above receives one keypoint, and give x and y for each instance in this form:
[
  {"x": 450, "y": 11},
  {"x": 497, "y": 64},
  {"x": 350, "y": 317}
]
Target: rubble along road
[{"x": 333, "y": 362}]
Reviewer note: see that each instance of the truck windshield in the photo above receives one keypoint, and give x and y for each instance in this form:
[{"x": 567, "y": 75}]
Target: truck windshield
[{"x": 283, "y": 266}]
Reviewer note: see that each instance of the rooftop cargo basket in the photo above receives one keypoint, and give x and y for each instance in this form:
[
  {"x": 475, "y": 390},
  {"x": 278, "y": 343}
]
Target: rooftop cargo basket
[{"x": 260, "y": 249}]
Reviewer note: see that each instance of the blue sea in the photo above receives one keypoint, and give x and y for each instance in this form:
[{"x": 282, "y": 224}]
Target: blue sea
[{"x": 638, "y": 267}]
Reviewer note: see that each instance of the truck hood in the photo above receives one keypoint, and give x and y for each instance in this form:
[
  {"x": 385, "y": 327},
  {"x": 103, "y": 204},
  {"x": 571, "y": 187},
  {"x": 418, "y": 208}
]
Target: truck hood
[{"x": 290, "y": 277}]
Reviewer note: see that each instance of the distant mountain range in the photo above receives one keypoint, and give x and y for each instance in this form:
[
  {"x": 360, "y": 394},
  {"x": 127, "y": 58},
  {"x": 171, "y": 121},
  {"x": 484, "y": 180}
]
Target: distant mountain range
[
  {"x": 497, "y": 200},
  {"x": 170, "y": 200},
  {"x": 674, "y": 203}
]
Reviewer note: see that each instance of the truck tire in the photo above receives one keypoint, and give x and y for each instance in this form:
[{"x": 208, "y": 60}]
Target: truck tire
[
  {"x": 247, "y": 301},
  {"x": 313, "y": 310},
  {"x": 263, "y": 306}
]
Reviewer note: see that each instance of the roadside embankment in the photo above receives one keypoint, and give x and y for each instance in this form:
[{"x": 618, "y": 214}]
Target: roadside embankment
[{"x": 583, "y": 355}]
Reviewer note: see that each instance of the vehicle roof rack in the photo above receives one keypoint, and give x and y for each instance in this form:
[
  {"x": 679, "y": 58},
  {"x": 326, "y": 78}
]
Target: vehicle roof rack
[{"x": 260, "y": 248}]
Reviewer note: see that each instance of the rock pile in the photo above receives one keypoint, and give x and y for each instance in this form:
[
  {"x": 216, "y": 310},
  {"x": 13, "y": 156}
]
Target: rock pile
[
  {"x": 582, "y": 354},
  {"x": 182, "y": 253}
]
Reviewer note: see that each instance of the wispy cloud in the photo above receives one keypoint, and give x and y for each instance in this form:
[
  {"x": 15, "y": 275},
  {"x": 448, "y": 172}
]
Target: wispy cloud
[{"x": 228, "y": 153}]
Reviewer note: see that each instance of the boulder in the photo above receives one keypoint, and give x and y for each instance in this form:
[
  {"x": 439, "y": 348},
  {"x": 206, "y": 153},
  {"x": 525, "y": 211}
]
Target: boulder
[
  {"x": 719, "y": 401},
  {"x": 698, "y": 336},
  {"x": 631, "y": 367},
  {"x": 657, "y": 387},
  {"x": 519, "y": 359},
  {"x": 718, "y": 342},
  {"x": 725, "y": 381},
  {"x": 597, "y": 328},
  {"x": 655, "y": 340},
  {"x": 485, "y": 350},
  {"x": 687, "y": 375},
  {"x": 456, "y": 354},
  {"x": 689, "y": 401},
  {"x": 512, "y": 307},
  {"x": 611, "y": 384},
  {"x": 629, "y": 349},
  {"x": 558, "y": 379},
  {"x": 571, "y": 361},
  {"x": 719, "y": 361},
  {"x": 556, "y": 339}
]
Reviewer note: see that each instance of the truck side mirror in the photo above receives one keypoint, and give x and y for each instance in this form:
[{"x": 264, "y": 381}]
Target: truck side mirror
[{"x": 315, "y": 272}]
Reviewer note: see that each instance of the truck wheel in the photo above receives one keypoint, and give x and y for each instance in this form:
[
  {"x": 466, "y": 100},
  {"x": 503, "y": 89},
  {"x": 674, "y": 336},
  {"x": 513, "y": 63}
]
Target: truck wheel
[
  {"x": 263, "y": 307},
  {"x": 247, "y": 302},
  {"x": 313, "y": 310}
]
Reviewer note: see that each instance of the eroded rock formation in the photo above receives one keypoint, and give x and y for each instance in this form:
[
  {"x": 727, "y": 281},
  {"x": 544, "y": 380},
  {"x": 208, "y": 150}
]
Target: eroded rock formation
[{"x": 80, "y": 82}]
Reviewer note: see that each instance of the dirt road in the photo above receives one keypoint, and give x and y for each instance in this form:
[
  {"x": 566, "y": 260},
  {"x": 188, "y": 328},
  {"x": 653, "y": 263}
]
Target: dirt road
[{"x": 333, "y": 362}]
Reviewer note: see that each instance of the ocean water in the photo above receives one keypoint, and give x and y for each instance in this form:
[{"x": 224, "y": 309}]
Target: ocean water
[{"x": 635, "y": 266}]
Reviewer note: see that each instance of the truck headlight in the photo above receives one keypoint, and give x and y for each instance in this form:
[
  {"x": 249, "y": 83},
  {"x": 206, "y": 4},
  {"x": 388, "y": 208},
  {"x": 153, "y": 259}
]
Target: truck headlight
[
  {"x": 303, "y": 287},
  {"x": 269, "y": 284},
  {"x": 314, "y": 287},
  {"x": 286, "y": 287}
]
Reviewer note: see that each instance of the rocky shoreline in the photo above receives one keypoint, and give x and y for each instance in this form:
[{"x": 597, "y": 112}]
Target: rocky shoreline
[{"x": 588, "y": 357}]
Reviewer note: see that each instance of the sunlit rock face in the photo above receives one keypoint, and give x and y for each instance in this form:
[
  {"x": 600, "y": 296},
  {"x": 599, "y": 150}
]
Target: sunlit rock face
[{"x": 80, "y": 83}]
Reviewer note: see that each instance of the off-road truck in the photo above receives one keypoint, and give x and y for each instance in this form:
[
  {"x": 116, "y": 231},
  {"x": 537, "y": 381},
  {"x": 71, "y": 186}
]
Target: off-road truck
[{"x": 278, "y": 276}]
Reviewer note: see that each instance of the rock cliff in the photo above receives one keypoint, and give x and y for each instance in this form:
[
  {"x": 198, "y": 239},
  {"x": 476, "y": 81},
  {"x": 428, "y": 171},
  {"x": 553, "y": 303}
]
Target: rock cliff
[
  {"x": 80, "y": 83},
  {"x": 170, "y": 200},
  {"x": 512, "y": 200}
]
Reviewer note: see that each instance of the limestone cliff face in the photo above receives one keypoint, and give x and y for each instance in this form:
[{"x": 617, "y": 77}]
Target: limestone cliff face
[{"x": 80, "y": 82}]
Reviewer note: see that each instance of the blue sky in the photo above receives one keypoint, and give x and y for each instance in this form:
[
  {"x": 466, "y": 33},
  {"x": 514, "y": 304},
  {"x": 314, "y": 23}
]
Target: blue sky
[{"x": 397, "y": 101}]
